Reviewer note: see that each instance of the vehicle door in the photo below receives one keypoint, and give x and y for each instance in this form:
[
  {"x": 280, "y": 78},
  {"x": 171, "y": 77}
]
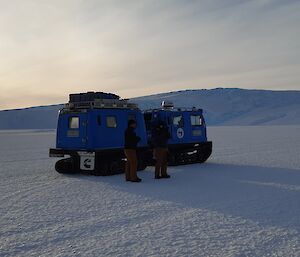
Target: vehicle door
[
  {"x": 74, "y": 130},
  {"x": 177, "y": 123}
]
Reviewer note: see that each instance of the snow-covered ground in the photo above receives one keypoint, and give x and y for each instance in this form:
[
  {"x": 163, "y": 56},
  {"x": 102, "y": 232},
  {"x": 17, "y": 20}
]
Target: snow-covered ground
[{"x": 245, "y": 201}]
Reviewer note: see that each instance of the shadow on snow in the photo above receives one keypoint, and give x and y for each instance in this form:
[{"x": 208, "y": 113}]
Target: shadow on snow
[{"x": 269, "y": 196}]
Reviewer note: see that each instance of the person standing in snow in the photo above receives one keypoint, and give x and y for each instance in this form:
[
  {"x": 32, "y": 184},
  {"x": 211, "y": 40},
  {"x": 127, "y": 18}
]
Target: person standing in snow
[
  {"x": 131, "y": 141},
  {"x": 160, "y": 150}
]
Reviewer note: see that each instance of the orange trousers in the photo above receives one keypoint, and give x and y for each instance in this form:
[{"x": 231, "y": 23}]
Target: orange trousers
[
  {"x": 161, "y": 157},
  {"x": 131, "y": 164}
]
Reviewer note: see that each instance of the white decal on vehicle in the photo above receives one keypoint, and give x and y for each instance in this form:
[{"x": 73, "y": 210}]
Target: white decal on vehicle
[
  {"x": 87, "y": 161},
  {"x": 180, "y": 133}
]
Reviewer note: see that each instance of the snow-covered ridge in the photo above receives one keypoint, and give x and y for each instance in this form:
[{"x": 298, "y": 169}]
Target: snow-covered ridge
[
  {"x": 222, "y": 106},
  {"x": 233, "y": 106}
]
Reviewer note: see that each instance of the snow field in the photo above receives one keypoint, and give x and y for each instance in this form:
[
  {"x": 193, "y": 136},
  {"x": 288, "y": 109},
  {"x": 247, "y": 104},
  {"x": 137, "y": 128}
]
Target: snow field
[{"x": 243, "y": 202}]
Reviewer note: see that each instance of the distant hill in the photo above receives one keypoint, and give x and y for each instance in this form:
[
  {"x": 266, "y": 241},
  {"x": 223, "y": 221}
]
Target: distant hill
[
  {"x": 234, "y": 106},
  {"x": 222, "y": 106},
  {"x": 41, "y": 117}
]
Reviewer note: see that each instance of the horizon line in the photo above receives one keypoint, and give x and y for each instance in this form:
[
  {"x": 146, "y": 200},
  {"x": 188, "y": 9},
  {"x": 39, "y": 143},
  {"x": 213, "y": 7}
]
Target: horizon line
[{"x": 160, "y": 93}]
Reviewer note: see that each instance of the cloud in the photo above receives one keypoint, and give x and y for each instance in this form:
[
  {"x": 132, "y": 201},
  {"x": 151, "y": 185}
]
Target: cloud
[{"x": 51, "y": 48}]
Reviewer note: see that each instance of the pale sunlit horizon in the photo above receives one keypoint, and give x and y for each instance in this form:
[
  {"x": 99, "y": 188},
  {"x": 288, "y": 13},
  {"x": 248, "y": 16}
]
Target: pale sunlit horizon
[{"x": 49, "y": 49}]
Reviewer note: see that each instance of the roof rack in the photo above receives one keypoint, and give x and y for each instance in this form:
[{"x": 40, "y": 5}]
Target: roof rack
[
  {"x": 102, "y": 104},
  {"x": 174, "y": 109},
  {"x": 97, "y": 100}
]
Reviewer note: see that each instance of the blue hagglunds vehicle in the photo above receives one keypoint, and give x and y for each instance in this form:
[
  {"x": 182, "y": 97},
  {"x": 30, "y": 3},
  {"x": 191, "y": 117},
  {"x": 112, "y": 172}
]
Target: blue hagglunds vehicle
[
  {"x": 90, "y": 134},
  {"x": 90, "y": 131}
]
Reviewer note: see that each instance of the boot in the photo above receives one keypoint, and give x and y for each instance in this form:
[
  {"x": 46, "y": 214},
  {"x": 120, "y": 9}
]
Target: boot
[{"x": 136, "y": 180}]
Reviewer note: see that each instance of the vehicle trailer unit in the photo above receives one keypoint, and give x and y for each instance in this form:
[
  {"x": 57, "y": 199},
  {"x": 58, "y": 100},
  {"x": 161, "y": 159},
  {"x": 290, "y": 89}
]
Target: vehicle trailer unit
[
  {"x": 90, "y": 131},
  {"x": 188, "y": 139}
]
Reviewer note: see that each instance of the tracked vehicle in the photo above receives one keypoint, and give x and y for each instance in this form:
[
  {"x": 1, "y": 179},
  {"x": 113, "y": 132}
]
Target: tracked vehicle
[
  {"x": 188, "y": 142},
  {"x": 90, "y": 133}
]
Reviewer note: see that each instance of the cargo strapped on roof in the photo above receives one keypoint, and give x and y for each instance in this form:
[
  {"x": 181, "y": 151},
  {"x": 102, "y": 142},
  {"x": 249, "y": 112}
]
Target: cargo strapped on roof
[
  {"x": 97, "y": 100},
  {"x": 91, "y": 96}
]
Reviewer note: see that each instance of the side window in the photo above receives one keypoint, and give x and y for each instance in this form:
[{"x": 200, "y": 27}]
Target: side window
[
  {"x": 111, "y": 122},
  {"x": 74, "y": 122},
  {"x": 99, "y": 120},
  {"x": 196, "y": 120},
  {"x": 178, "y": 121}
]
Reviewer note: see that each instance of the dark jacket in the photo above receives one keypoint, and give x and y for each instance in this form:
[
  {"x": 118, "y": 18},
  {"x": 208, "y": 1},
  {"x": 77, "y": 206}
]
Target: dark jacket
[
  {"x": 131, "y": 139},
  {"x": 160, "y": 136}
]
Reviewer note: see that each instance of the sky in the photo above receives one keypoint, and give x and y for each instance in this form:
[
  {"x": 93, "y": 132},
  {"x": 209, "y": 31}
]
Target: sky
[{"x": 50, "y": 48}]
